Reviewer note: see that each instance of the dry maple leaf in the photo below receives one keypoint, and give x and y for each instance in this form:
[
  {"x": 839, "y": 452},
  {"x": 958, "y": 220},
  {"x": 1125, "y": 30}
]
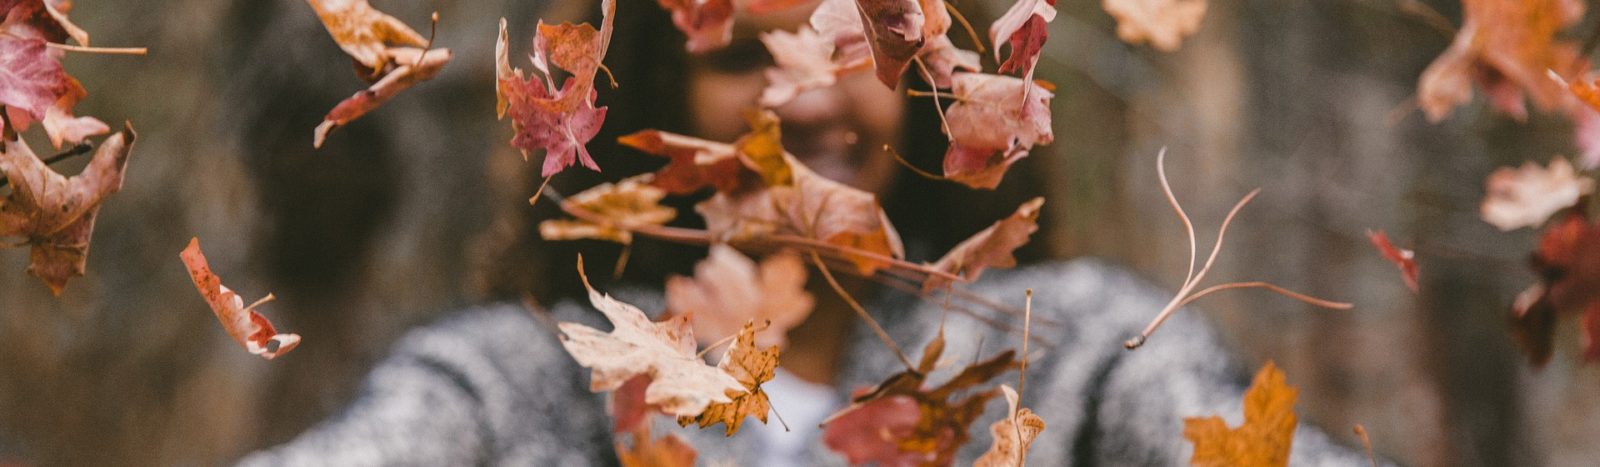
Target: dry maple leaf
[
  {"x": 34, "y": 87},
  {"x": 625, "y": 205},
  {"x": 750, "y": 365},
  {"x": 680, "y": 383},
  {"x": 1405, "y": 259},
  {"x": 729, "y": 290},
  {"x": 56, "y": 213},
  {"x": 40, "y": 19},
  {"x": 1162, "y": 23},
  {"x": 901, "y": 424},
  {"x": 1263, "y": 440},
  {"x": 1012, "y": 435},
  {"x": 1024, "y": 27},
  {"x": 707, "y": 23},
  {"x": 693, "y": 163},
  {"x": 666, "y": 451},
  {"x": 803, "y": 60},
  {"x": 995, "y": 121},
  {"x": 1526, "y": 196},
  {"x": 990, "y": 248},
  {"x": 894, "y": 31},
  {"x": 1507, "y": 48},
  {"x": 247, "y": 327},
  {"x": 388, "y": 53},
  {"x": 1567, "y": 263},
  {"x": 559, "y": 121}
]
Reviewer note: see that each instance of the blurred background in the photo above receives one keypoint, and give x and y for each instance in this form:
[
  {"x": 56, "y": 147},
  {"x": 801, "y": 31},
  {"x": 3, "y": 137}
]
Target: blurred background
[{"x": 393, "y": 223}]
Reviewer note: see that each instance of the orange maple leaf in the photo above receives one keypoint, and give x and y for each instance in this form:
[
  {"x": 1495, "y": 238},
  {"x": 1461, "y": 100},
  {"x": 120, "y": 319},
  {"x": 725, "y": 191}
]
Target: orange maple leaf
[{"x": 1264, "y": 438}]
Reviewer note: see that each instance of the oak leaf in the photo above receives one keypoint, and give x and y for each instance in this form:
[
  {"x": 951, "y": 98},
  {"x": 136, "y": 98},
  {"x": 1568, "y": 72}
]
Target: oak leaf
[
  {"x": 1526, "y": 196},
  {"x": 624, "y": 205},
  {"x": 994, "y": 123},
  {"x": 751, "y": 365},
  {"x": 56, "y": 213},
  {"x": 729, "y": 290},
  {"x": 1264, "y": 438},
  {"x": 559, "y": 121},
  {"x": 991, "y": 247},
  {"x": 387, "y": 53},
  {"x": 1162, "y": 23},
  {"x": 247, "y": 327},
  {"x": 1012, "y": 434},
  {"x": 1507, "y": 48},
  {"x": 1405, "y": 259},
  {"x": 680, "y": 383},
  {"x": 1024, "y": 27}
]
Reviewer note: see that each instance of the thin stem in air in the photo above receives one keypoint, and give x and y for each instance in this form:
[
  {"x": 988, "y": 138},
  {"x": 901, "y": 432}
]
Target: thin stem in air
[
  {"x": 946, "y": 95},
  {"x": 99, "y": 50},
  {"x": 433, "y": 30},
  {"x": 77, "y": 150},
  {"x": 862, "y": 312},
  {"x": 962, "y": 19},
  {"x": 1188, "y": 226},
  {"x": 914, "y": 169},
  {"x": 535, "y": 199},
  {"x": 1361, "y": 432},
  {"x": 944, "y": 124},
  {"x": 1027, "y": 320}
]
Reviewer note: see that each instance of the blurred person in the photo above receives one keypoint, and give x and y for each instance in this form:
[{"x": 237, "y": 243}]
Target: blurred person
[{"x": 492, "y": 384}]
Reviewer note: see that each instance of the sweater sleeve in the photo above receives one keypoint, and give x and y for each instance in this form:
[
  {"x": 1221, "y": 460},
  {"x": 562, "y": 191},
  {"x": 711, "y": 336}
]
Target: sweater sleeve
[{"x": 486, "y": 386}]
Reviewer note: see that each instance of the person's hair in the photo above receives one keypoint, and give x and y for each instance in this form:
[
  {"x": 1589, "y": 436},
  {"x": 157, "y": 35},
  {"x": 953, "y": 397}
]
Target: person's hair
[{"x": 648, "y": 58}]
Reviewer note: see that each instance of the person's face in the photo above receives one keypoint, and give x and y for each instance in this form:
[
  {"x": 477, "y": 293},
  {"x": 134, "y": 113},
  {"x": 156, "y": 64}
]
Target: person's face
[{"x": 838, "y": 131}]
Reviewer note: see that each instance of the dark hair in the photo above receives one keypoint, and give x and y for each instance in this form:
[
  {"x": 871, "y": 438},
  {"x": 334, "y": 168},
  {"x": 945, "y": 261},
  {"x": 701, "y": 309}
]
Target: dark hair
[{"x": 647, "y": 55}]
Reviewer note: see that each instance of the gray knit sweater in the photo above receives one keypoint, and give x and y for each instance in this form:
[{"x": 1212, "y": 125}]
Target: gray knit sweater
[{"x": 492, "y": 386}]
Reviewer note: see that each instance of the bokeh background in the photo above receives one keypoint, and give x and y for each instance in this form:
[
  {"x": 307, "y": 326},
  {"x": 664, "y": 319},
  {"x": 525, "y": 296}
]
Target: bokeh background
[{"x": 391, "y": 224}]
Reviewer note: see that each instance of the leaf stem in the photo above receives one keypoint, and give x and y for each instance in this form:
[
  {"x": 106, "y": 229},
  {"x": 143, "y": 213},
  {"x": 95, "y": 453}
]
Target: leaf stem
[
  {"x": 99, "y": 50},
  {"x": 78, "y": 150},
  {"x": 862, "y": 313},
  {"x": 962, "y": 19}
]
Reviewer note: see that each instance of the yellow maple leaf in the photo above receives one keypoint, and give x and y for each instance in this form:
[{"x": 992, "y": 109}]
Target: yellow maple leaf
[
  {"x": 751, "y": 366},
  {"x": 1263, "y": 440}
]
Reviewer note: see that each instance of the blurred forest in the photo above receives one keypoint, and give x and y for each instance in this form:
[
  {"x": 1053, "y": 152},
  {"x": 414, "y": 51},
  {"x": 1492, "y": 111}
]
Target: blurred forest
[{"x": 384, "y": 228}]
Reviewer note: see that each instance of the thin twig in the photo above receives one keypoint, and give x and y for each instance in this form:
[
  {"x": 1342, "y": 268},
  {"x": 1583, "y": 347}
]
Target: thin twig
[
  {"x": 914, "y": 169},
  {"x": 1027, "y": 319},
  {"x": 962, "y": 19},
  {"x": 99, "y": 50},
  {"x": 944, "y": 124},
  {"x": 433, "y": 30},
  {"x": 1366, "y": 442},
  {"x": 862, "y": 313},
  {"x": 77, "y": 150},
  {"x": 1265, "y": 285}
]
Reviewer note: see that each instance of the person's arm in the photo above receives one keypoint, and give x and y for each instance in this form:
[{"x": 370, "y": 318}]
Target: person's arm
[{"x": 485, "y": 387}]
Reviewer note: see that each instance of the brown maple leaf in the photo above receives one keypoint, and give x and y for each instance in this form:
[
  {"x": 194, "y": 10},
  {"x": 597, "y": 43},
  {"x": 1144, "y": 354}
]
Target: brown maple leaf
[
  {"x": 693, "y": 163},
  {"x": 390, "y": 55},
  {"x": 995, "y": 121},
  {"x": 1507, "y": 48},
  {"x": 1405, "y": 259},
  {"x": 680, "y": 383},
  {"x": 1263, "y": 440},
  {"x": 624, "y": 205},
  {"x": 559, "y": 120},
  {"x": 729, "y": 290},
  {"x": 894, "y": 30},
  {"x": 247, "y": 327},
  {"x": 750, "y": 365},
  {"x": 56, "y": 213},
  {"x": 1162, "y": 23},
  {"x": 1012, "y": 435},
  {"x": 990, "y": 248},
  {"x": 1526, "y": 196}
]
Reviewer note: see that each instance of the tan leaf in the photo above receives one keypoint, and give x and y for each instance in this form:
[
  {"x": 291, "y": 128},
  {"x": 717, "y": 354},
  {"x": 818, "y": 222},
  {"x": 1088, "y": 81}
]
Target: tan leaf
[
  {"x": 1526, "y": 196},
  {"x": 1265, "y": 437},
  {"x": 1012, "y": 435},
  {"x": 628, "y": 203},
  {"x": 56, "y": 213},
  {"x": 680, "y": 383},
  {"x": 243, "y": 323},
  {"x": 994, "y": 123},
  {"x": 729, "y": 290},
  {"x": 414, "y": 67},
  {"x": 990, "y": 248},
  {"x": 391, "y": 55},
  {"x": 1507, "y": 47},
  {"x": 750, "y": 365},
  {"x": 1162, "y": 23}
]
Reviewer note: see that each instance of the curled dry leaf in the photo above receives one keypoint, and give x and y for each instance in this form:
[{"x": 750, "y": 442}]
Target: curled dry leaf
[
  {"x": 707, "y": 23},
  {"x": 750, "y": 365},
  {"x": 56, "y": 213},
  {"x": 1507, "y": 48},
  {"x": 729, "y": 290},
  {"x": 1012, "y": 435},
  {"x": 388, "y": 53},
  {"x": 1266, "y": 435},
  {"x": 995, "y": 121},
  {"x": 680, "y": 383},
  {"x": 894, "y": 30},
  {"x": 693, "y": 163},
  {"x": 1405, "y": 259},
  {"x": 901, "y": 424},
  {"x": 1567, "y": 263},
  {"x": 243, "y": 323},
  {"x": 1162, "y": 23},
  {"x": 1024, "y": 27},
  {"x": 1526, "y": 196},
  {"x": 990, "y": 248},
  {"x": 559, "y": 121},
  {"x": 626, "y": 204}
]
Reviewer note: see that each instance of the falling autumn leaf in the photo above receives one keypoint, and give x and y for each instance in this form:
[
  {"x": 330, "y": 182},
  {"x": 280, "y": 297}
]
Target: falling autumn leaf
[
  {"x": 1567, "y": 263},
  {"x": 995, "y": 121},
  {"x": 693, "y": 163},
  {"x": 622, "y": 206},
  {"x": 707, "y": 23},
  {"x": 40, "y": 19},
  {"x": 666, "y": 451},
  {"x": 1012, "y": 434},
  {"x": 1162, "y": 23},
  {"x": 990, "y": 248},
  {"x": 1526, "y": 196},
  {"x": 1264, "y": 438},
  {"x": 1403, "y": 258},
  {"x": 389, "y": 53},
  {"x": 1507, "y": 48},
  {"x": 750, "y": 365},
  {"x": 894, "y": 31},
  {"x": 243, "y": 323},
  {"x": 56, "y": 213},
  {"x": 416, "y": 66},
  {"x": 1024, "y": 27},
  {"x": 680, "y": 383},
  {"x": 803, "y": 60},
  {"x": 34, "y": 87},
  {"x": 560, "y": 121},
  {"x": 729, "y": 290},
  {"x": 944, "y": 60}
]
